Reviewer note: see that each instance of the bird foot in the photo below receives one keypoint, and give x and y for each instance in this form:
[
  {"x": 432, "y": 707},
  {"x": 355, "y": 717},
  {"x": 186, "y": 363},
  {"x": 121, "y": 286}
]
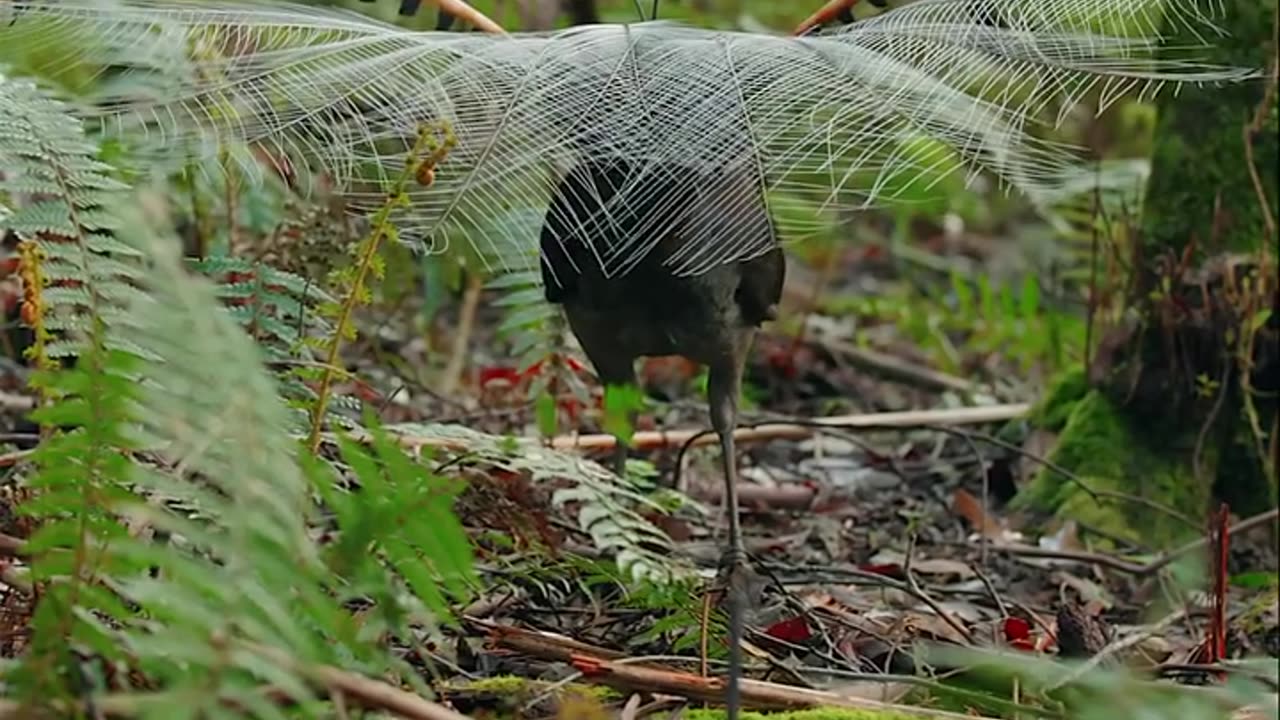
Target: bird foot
[
  {"x": 736, "y": 575},
  {"x": 742, "y": 591}
]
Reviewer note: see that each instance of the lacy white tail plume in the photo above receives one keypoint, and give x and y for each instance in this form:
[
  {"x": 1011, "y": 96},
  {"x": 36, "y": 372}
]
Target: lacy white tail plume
[{"x": 845, "y": 118}]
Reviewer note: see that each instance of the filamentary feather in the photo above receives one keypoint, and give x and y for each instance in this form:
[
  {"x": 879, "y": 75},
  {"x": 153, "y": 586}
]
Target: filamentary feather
[{"x": 847, "y": 117}]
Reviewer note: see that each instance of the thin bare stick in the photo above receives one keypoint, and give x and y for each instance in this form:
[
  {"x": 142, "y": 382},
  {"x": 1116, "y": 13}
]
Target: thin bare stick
[
  {"x": 897, "y": 369},
  {"x": 11, "y": 546},
  {"x": 1140, "y": 570},
  {"x": 1116, "y": 646},
  {"x": 782, "y": 430},
  {"x": 462, "y": 338},
  {"x": 755, "y": 693},
  {"x": 361, "y": 690},
  {"x": 461, "y": 10}
]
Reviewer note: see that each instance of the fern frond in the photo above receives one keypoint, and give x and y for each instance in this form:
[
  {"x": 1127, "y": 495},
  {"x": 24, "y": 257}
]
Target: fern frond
[
  {"x": 206, "y": 616},
  {"x": 851, "y": 117},
  {"x": 607, "y": 506},
  {"x": 249, "y": 572},
  {"x": 281, "y": 312},
  {"x": 60, "y": 197},
  {"x": 82, "y": 471}
]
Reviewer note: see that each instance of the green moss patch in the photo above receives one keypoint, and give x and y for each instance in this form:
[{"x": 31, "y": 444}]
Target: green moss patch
[{"x": 1110, "y": 451}]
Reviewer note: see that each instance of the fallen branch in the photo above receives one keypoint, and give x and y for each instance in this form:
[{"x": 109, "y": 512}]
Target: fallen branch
[
  {"x": 539, "y": 644},
  {"x": 11, "y": 546},
  {"x": 783, "y": 430},
  {"x": 363, "y": 691},
  {"x": 15, "y": 457},
  {"x": 610, "y": 667},
  {"x": 356, "y": 689},
  {"x": 756, "y": 694}
]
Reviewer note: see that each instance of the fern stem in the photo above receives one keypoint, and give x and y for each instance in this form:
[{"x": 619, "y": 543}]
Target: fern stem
[
  {"x": 417, "y": 166},
  {"x": 231, "y": 192}
]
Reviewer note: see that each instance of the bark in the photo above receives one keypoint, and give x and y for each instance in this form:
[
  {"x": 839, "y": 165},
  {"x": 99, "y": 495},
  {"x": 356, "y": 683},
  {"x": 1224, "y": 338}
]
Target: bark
[{"x": 1179, "y": 401}]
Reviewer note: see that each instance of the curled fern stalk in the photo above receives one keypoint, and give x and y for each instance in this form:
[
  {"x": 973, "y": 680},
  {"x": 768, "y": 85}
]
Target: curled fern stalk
[{"x": 432, "y": 144}]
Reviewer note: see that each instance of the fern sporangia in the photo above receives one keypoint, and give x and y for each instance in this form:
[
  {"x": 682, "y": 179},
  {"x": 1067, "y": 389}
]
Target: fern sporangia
[
  {"x": 432, "y": 144},
  {"x": 30, "y": 271}
]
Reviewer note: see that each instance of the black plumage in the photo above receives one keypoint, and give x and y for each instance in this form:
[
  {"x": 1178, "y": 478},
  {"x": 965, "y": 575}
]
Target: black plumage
[{"x": 710, "y": 317}]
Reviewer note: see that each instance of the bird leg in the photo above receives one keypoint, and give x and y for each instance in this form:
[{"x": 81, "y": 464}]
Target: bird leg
[
  {"x": 619, "y": 457},
  {"x": 723, "y": 386}
]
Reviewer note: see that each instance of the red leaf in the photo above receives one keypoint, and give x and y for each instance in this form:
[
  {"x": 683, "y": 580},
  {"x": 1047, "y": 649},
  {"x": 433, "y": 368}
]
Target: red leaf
[
  {"x": 506, "y": 374},
  {"x": 794, "y": 630},
  {"x": 1016, "y": 629},
  {"x": 886, "y": 569}
]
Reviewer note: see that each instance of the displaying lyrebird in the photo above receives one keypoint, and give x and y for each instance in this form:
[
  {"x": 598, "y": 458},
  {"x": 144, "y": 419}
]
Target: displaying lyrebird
[{"x": 640, "y": 165}]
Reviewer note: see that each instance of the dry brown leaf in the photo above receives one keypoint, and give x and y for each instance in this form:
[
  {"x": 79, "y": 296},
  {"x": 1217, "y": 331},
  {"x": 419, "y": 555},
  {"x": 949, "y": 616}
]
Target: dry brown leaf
[{"x": 985, "y": 523}]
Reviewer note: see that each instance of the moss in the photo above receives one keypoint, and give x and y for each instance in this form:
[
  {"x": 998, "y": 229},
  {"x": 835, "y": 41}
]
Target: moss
[
  {"x": 515, "y": 686},
  {"x": 1199, "y": 157},
  {"x": 1111, "y": 451},
  {"x": 824, "y": 713},
  {"x": 1067, "y": 389},
  {"x": 502, "y": 684},
  {"x": 1200, "y": 194}
]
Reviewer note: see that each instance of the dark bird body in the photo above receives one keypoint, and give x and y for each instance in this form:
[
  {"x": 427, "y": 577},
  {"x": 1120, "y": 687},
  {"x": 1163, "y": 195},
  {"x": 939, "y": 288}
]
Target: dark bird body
[{"x": 709, "y": 317}]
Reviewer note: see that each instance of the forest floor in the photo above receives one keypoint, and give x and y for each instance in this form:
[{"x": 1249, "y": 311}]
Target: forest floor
[{"x": 875, "y": 534}]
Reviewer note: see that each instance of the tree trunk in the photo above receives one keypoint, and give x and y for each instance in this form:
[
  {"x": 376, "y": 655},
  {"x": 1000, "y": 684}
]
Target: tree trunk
[{"x": 1178, "y": 405}]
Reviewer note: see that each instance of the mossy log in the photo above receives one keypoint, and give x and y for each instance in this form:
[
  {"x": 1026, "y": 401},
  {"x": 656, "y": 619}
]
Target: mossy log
[{"x": 1178, "y": 406}]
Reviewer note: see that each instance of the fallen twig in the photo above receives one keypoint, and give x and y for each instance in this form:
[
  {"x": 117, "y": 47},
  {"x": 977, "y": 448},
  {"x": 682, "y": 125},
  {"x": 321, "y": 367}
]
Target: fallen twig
[
  {"x": 545, "y": 645},
  {"x": 783, "y": 430},
  {"x": 11, "y": 546},
  {"x": 897, "y": 369},
  {"x": 361, "y": 690},
  {"x": 1116, "y": 646},
  {"x": 1125, "y": 566},
  {"x": 15, "y": 457},
  {"x": 452, "y": 374},
  {"x": 755, "y": 693},
  {"x": 19, "y": 403}
]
